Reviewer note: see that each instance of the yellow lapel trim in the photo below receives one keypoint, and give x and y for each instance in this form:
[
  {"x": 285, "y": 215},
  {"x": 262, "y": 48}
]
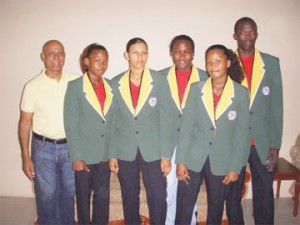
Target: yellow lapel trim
[
  {"x": 258, "y": 73},
  {"x": 208, "y": 100},
  {"x": 109, "y": 97},
  {"x": 145, "y": 89},
  {"x": 90, "y": 95},
  {"x": 125, "y": 91},
  {"x": 224, "y": 103},
  {"x": 194, "y": 78},
  {"x": 172, "y": 80},
  {"x": 226, "y": 98}
]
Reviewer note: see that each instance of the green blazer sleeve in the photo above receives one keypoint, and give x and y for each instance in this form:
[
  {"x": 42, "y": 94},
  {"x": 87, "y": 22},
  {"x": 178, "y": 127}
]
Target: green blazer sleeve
[
  {"x": 266, "y": 111},
  {"x": 276, "y": 111},
  {"x": 71, "y": 123}
]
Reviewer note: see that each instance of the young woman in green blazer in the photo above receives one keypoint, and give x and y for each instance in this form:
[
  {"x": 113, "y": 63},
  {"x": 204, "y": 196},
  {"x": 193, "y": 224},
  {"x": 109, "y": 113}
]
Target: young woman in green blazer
[
  {"x": 87, "y": 112},
  {"x": 213, "y": 138},
  {"x": 135, "y": 141}
]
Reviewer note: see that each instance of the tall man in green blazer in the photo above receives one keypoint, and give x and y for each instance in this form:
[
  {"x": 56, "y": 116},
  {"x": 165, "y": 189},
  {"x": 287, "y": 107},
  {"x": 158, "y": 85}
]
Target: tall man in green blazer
[{"x": 263, "y": 80}]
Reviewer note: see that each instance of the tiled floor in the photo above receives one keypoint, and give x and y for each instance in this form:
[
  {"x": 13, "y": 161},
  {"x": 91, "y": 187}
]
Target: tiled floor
[
  {"x": 22, "y": 211},
  {"x": 283, "y": 212},
  {"x": 17, "y": 211}
]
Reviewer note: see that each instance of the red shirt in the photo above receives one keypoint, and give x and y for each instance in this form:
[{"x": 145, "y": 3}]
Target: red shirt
[
  {"x": 216, "y": 100},
  {"x": 248, "y": 65},
  {"x": 135, "y": 91},
  {"x": 182, "y": 81},
  {"x": 100, "y": 92}
]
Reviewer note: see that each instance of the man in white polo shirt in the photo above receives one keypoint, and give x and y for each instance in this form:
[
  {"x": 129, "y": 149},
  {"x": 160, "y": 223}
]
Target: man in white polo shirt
[{"x": 48, "y": 165}]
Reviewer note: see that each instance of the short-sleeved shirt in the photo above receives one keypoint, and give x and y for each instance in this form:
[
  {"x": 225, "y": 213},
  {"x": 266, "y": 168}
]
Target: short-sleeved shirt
[{"x": 44, "y": 97}]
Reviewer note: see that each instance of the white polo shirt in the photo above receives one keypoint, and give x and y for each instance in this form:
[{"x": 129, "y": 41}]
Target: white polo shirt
[{"x": 44, "y": 97}]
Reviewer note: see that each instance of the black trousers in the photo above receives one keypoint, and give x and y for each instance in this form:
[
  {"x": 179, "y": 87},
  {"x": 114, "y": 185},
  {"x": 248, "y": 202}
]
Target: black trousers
[
  {"x": 234, "y": 209},
  {"x": 155, "y": 185},
  {"x": 98, "y": 181},
  {"x": 262, "y": 187},
  {"x": 187, "y": 196}
]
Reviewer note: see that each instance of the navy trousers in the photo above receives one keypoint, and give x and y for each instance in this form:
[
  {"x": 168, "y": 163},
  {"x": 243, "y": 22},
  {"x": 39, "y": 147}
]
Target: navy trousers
[
  {"x": 187, "y": 196},
  {"x": 262, "y": 189},
  {"x": 155, "y": 185},
  {"x": 262, "y": 186},
  {"x": 98, "y": 181},
  {"x": 234, "y": 208}
]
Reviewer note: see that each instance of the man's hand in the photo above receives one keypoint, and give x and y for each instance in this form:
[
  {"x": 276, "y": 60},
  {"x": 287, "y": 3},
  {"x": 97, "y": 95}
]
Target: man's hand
[
  {"x": 230, "y": 177},
  {"x": 80, "y": 165},
  {"x": 272, "y": 159},
  {"x": 113, "y": 165},
  {"x": 183, "y": 173},
  {"x": 28, "y": 167},
  {"x": 166, "y": 166}
]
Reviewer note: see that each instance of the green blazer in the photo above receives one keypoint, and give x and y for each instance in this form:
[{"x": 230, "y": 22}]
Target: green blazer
[
  {"x": 266, "y": 104},
  {"x": 221, "y": 135},
  {"x": 85, "y": 122},
  {"x": 139, "y": 127},
  {"x": 171, "y": 107}
]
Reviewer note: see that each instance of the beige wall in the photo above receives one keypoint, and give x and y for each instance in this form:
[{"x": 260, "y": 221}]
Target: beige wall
[{"x": 26, "y": 25}]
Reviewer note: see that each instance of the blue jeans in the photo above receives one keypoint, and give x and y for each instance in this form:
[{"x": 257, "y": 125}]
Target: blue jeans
[{"x": 53, "y": 183}]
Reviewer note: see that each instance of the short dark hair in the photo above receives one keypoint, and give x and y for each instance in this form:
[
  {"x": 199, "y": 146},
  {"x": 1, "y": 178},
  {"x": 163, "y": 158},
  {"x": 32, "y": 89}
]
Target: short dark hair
[
  {"x": 136, "y": 40},
  {"x": 182, "y": 37},
  {"x": 235, "y": 70},
  {"x": 243, "y": 20},
  {"x": 87, "y": 52}
]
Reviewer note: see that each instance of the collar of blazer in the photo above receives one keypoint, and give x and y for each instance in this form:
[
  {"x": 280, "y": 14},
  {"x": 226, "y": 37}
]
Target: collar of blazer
[
  {"x": 145, "y": 90},
  {"x": 224, "y": 103},
  {"x": 172, "y": 80},
  {"x": 258, "y": 73},
  {"x": 92, "y": 98}
]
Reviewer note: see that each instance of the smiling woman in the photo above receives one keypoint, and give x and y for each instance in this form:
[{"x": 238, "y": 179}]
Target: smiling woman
[{"x": 215, "y": 150}]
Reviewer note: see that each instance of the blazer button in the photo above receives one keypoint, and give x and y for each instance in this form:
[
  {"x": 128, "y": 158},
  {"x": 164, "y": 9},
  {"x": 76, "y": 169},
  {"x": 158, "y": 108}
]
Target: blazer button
[
  {"x": 251, "y": 113},
  {"x": 212, "y": 128},
  {"x": 135, "y": 118},
  {"x": 136, "y": 132},
  {"x": 102, "y": 135},
  {"x": 179, "y": 115},
  {"x": 178, "y": 129},
  {"x": 210, "y": 143},
  {"x": 103, "y": 121},
  {"x": 249, "y": 127}
]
